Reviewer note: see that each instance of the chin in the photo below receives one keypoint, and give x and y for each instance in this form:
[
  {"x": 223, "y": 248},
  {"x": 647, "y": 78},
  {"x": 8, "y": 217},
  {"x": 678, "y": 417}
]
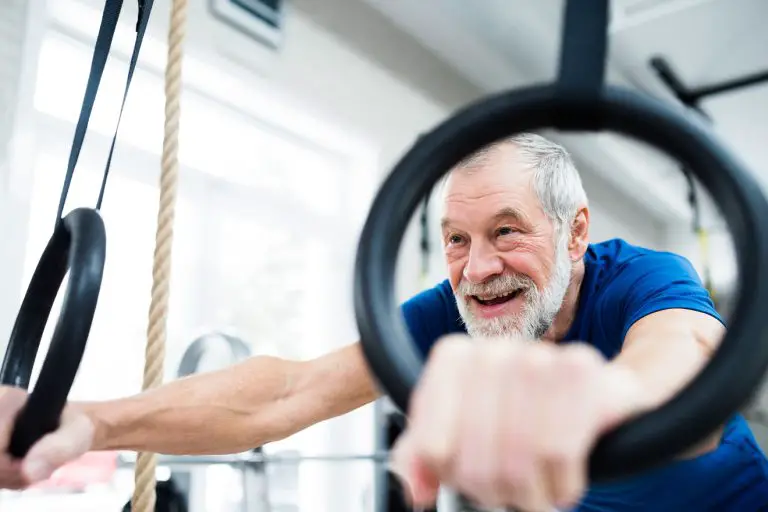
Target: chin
[{"x": 494, "y": 328}]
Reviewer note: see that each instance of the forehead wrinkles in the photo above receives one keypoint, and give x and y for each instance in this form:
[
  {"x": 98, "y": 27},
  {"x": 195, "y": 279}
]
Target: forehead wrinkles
[
  {"x": 502, "y": 158},
  {"x": 461, "y": 193}
]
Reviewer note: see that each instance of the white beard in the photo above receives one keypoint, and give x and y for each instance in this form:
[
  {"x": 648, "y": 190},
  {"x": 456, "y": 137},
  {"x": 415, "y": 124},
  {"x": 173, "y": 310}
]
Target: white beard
[{"x": 539, "y": 307}]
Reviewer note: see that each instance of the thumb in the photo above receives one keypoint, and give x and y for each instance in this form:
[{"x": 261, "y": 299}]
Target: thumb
[
  {"x": 69, "y": 442},
  {"x": 420, "y": 485}
]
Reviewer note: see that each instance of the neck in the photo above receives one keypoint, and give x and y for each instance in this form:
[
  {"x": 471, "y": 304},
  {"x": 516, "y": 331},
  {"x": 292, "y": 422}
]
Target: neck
[{"x": 565, "y": 317}]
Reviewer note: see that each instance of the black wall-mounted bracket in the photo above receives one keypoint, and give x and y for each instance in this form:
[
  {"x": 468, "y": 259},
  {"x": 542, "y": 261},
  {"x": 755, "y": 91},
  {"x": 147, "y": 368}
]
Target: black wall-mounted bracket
[{"x": 692, "y": 97}]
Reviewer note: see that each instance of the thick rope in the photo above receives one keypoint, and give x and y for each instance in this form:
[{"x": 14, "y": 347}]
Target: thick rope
[{"x": 144, "y": 491}]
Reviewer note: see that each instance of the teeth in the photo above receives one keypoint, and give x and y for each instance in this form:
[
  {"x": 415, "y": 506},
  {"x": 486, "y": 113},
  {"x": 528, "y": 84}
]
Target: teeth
[{"x": 491, "y": 297}]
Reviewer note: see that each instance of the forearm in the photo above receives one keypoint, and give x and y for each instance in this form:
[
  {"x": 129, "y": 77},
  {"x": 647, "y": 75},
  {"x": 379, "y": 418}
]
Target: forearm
[
  {"x": 664, "y": 352},
  {"x": 261, "y": 400},
  {"x": 663, "y": 371},
  {"x": 216, "y": 412}
]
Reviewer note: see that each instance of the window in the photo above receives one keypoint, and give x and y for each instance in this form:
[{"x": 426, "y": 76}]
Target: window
[
  {"x": 115, "y": 354},
  {"x": 216, "y": 139},
  {"x": 264, "y": 237}
]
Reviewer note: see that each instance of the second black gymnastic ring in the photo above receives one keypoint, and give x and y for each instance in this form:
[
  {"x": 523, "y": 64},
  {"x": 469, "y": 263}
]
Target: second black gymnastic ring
[
  {"x": 729, "y": 379},
  {"x": 77, "y": 247}
]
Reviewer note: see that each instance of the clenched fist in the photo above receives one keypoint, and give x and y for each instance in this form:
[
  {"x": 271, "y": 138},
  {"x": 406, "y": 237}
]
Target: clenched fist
[
  {"x": 510, "y": 424},
  {"x": 73, "y": 438}
]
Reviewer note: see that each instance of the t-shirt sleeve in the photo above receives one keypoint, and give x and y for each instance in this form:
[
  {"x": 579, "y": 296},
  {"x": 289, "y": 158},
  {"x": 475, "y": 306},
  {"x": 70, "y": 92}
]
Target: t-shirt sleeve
[
  {"x": 429, "y": 315},
  {"x": 655, "y": 282}
]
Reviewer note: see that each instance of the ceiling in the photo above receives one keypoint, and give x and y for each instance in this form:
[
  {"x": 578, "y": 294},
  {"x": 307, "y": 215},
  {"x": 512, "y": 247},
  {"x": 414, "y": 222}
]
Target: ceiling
[{"x": 498, "y": 44}]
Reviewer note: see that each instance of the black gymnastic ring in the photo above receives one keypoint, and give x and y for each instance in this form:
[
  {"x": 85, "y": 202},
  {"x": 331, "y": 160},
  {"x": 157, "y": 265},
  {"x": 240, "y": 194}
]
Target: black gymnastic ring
[
  {"x": 735, "y": 371},
  {"x": 78, "y": 245}
]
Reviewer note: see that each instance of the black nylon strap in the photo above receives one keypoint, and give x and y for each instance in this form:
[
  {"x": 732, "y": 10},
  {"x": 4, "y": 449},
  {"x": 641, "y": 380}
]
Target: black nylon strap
[
  {"x": 109, "y": 19},
  {"x": 583, "y": 48}
]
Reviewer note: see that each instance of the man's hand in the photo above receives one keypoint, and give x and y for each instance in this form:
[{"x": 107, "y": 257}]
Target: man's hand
[
  {"x": 73, "y": 438},
  {"x": 510, "y": 424}
]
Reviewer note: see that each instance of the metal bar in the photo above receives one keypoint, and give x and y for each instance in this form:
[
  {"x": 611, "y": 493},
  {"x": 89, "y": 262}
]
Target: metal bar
[
  {"x": 672, "y": 80},
  {"x": 258, "y": 459},
  {"x": 738, "y": 83},
  {"x": 692, "y": 97}
]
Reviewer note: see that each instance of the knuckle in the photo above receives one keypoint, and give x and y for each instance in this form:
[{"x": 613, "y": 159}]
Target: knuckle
[
  {"x": 569, "y": 496},
  {"x": 479, "y": 482},
  {"x": 580, "y": 360},
  {"x": 436, "y": 453},
  {"x": 563, "y": 455},
  {"x": 498, "y": 358},
  {"x": 535, "y": 362},
  {"x": 450, "y": 347},
  {"x": 471, "y": 476},
  {"x": 514, "y": 473}
]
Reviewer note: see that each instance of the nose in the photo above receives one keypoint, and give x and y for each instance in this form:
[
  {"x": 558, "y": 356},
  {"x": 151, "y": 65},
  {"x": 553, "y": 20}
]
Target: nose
[{"x": 483, "y": 263}]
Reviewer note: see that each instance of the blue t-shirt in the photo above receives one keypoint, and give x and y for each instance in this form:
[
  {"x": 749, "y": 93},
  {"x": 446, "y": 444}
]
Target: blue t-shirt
[{"x": 622, "y": 284}]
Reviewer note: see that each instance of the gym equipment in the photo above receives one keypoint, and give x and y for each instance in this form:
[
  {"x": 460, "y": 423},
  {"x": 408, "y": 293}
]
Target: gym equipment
[
  {"x": 77, "y": 247},
  {"x": 258, "y": 458},
  {"x": 390, "y": 425},
  {"x": 692, "y": 97},
  {"x": 237, "y": 350},
  {"x": 253, "y": 467},
  {"x": 579, "y": 100},
  {"x": 143, "y": 499}
]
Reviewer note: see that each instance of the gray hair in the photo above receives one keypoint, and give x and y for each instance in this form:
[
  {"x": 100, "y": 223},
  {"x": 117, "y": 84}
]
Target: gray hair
[{"x": 556, "y": 180}]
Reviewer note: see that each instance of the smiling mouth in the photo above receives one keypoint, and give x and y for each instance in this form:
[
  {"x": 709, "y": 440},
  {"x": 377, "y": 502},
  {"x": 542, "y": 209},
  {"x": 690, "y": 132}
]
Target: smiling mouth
[{"x": 493, "y": 300}]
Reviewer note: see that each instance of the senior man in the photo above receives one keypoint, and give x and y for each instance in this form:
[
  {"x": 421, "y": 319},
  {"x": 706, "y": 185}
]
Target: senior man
[{"x": 536, "y": 344}]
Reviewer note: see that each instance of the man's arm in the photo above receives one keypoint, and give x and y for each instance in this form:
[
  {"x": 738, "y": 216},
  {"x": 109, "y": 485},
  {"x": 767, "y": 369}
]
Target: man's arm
[
  {"x": 246, "y": 405},
  {"x": 666, "y": 349}
]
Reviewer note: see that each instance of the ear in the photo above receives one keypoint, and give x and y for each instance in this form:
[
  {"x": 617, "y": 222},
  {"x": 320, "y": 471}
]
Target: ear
[{"x": 579, "y": 240}]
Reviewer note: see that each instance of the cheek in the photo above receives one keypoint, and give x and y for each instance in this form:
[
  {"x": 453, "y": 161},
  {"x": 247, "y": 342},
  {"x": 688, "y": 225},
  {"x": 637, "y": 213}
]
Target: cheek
[
  {"x": 455, "y": 271},
  {"x": 528, "y": 263},
  {"x": 455, "y": 261}
]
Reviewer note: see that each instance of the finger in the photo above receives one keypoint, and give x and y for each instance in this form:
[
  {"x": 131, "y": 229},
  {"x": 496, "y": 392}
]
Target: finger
[
  {"x": 577, "y": 398},
  {"x": 69, "y": 442},
  {"x": 476, "y": 466},
  {"x": 572, "y": 416},
  {"x": 10, "y": 473},
  {"x": 11, "y": 401},
  {"x": 420, "y": 485},
  {"x": 426, "y": 485},
  {"x": 521, "y": 465},
  {"x": 438, "y": 402}
]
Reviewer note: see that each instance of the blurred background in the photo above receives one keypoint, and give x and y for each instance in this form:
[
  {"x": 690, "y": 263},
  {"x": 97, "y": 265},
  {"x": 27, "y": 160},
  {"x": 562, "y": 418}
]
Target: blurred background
[{"x": 293, "y": 112}]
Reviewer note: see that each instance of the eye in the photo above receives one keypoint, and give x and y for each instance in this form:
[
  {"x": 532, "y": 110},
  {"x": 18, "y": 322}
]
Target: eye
[
  {"x": 454, "y": 239},
  {"x": 506, "y": 230}
]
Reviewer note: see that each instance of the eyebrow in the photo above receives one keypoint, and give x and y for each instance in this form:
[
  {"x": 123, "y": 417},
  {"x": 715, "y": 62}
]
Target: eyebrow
[
  {"x": 507, "y": 212},
  {"x": 516, "y": 214}
]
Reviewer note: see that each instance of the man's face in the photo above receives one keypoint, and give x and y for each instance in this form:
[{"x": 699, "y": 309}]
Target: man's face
[{"x": 509, "y": 269}]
